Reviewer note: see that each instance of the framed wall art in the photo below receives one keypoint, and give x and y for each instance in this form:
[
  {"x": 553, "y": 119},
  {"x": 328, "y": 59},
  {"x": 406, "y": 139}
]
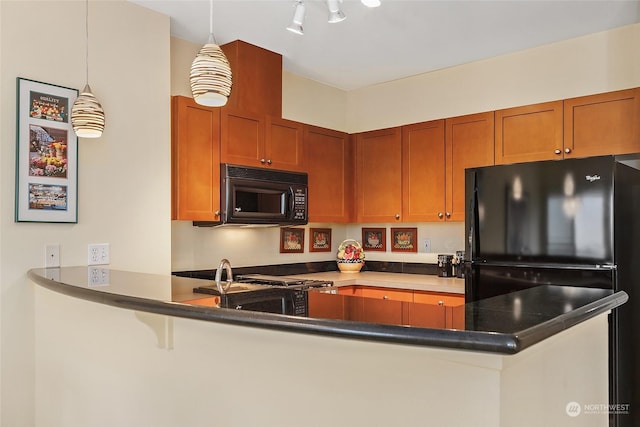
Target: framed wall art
[
  {"x": 404, "y": 239},
  {"x": 46, "y": 154},
  {"x": 320, "y": 240},
  {"x": 291, "y": 240},
  {"x": 374, "y": 239}
]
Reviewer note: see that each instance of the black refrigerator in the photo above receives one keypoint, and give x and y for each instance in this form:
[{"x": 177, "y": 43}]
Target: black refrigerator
[{"x": 569, "y": 222}]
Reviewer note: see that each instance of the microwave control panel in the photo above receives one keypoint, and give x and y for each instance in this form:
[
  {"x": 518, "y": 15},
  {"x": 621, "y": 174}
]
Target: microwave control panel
[{"x": 299, "y": 203}]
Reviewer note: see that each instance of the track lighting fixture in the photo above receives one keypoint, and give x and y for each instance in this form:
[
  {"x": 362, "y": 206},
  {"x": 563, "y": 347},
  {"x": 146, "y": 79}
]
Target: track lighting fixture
[
  {"x": 335, "y": 14},
  {"x": 371, "y": 3},
  {"x": 298, "y": 18}
]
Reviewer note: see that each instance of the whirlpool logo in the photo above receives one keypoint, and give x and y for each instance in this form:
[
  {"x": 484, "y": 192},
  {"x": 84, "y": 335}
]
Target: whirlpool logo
[{"x": 592, "y": 178}]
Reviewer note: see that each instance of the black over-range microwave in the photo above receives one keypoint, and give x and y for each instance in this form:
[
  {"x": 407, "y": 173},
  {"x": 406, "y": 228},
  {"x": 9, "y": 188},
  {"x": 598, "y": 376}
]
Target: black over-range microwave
[{"x": 261, "y": 196}]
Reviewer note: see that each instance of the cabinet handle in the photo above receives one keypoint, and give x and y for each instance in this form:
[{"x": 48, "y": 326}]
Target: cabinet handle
[
  {"x": 448, "y": 214},
  {"x": 269, "y": 161},
  {"x": 440, "y": 215},
  {"x": 567, "y": 150},
  {"x": 263, "y": 161},
  {"x": 237, "y": 209},
  {"x": 397, "y": 216},
  {"x": 557, "y": 151}
]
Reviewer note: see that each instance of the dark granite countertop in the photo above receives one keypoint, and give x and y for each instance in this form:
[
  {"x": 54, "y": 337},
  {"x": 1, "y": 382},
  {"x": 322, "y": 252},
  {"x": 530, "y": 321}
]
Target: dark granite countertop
[{"x": 505, "y": 324}]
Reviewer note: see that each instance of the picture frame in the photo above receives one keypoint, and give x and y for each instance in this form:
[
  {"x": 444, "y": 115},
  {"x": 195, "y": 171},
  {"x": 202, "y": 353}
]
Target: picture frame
[
  {"x": 404, "y": 239},
  {"x": 46, "y": 153},
  {"x": 291, "y": 240},
  {"x": 374, "y": 239},
  {"x": 319, "y": 240}
]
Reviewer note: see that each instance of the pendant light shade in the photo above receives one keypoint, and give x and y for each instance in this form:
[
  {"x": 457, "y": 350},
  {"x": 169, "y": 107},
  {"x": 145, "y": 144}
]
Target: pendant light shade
[
  {"x": 87, "y": 115},
  {"x": 210, "y": 76}
]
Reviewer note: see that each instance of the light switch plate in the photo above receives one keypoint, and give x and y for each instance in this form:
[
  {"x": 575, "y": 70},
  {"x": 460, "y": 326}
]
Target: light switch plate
[{"x": 52, "y": 256}]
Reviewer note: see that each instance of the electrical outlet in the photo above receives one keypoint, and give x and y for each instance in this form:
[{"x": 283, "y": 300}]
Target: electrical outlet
[
  {"x": 98, "y": 254},
  {"x": 52, "y": 256},
  {"x": 426, "y": 244},
  {"x": 98, "y": 276}
]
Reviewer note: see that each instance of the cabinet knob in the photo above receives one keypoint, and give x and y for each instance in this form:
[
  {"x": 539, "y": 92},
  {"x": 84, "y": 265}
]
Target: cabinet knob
[
  {"x": 440, "y": 302},
  {"x": 385, "y": 297},
  {"x": 217, "y": 213},
  {"x": 440, "y": 215},
  {"x": 237, "y": 209},
  {"x": 557, "y": 151},
  {"x": 269, "y": 162},
  {"x": 397, "y": 216},
  {"x": 448, "y": 214},
  {"x": 567, "y": 150},
  {"x": 263, "y": 161}
]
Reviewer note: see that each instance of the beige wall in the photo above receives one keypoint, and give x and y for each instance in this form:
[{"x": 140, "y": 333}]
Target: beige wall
[
  {"x": 124, "y": 176},
  {"x": 586, "y": 65},
  {"x": 591, "y": 64}
]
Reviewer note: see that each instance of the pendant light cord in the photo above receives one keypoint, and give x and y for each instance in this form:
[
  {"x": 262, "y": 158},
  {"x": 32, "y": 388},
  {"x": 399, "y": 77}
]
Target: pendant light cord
[
  {"x": 212, "y": 39},
  {"x": 86, "y": 33}
]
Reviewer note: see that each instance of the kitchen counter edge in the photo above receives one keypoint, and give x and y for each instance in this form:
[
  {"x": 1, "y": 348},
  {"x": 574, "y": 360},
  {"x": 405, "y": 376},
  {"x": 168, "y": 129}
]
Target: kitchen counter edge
[{"x": 492, "y": 342}]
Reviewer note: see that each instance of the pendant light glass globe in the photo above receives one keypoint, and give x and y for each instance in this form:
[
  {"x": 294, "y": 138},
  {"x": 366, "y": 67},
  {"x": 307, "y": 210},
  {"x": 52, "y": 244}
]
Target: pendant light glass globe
[
  {"x": 87, "y": 115},
  {"x": 210, "y": 76}
]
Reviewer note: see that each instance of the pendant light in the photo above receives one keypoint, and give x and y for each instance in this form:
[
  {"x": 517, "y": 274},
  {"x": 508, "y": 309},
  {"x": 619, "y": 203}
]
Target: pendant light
[
  {"x": 87, "y": 115},
  {"x": 210, "y": 72}
]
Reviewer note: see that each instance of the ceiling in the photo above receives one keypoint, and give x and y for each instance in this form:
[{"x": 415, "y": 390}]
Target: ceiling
[{"x": 400, "y": 38}]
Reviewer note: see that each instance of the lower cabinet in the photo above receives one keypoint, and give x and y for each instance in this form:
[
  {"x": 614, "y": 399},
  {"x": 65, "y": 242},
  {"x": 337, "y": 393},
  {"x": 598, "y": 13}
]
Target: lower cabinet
[
  {"x": 400, "y": 307},
  {"x": 205, "y": 302}
]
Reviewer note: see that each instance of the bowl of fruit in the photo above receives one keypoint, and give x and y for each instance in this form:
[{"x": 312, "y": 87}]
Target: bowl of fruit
[{"x": 350, "y": 257}]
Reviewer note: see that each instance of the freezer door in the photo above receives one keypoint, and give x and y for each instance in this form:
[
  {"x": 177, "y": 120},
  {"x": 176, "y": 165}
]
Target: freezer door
[{"x": 543, "y": 212}]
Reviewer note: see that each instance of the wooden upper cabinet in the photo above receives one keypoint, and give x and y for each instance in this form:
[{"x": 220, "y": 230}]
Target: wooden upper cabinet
[
  {"x": 256, "y": 140},
  {"x": 242, "y": 137},
  {"x": 379, "y": 175},
  {"x": 602, "y": 124},
  {"x": 283, "y": 147},
  {"x": 195, "y": 136},
  {"x": 529, "y": 133},
  {"x": 257, "y": 78},
  {"x": 469, "y": 144},
  {"x": 330, "y": 168},
  {"x": 423, "y": 171}
]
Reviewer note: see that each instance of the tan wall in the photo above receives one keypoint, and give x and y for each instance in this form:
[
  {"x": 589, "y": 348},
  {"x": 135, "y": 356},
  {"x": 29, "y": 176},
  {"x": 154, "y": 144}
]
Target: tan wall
[
  {"x": 124, "y": 176},
  {"x": 591, "y": 64},
  {"x": 595, "y": 63}
]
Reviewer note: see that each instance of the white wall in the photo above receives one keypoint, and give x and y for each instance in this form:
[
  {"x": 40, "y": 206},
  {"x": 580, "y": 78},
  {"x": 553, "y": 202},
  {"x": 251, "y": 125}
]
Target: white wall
[{"x": 124, "y": 176}]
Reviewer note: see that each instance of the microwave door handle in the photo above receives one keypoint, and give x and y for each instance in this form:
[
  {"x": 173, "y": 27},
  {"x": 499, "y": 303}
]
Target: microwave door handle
[{"x": 291, "y": 197}]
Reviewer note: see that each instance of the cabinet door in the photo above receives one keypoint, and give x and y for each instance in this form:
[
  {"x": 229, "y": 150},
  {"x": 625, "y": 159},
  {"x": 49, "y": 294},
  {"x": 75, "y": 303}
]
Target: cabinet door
[
  {"x": 390, "y": 294},
  {"x": 438, "y": 298},
  {"x": 602, "y": 124},
  {"x": 423, "y": 171},
  {"x": 469, "y": 143},
  {"x": 242, "y": 138},
  {"x": 283, "y": 144},
  {"x": 379, "y": 175},
  {"x": 329, "y": 164},
  {"x": 529, "y": 133},
  {"x": 195, "y": 136}
]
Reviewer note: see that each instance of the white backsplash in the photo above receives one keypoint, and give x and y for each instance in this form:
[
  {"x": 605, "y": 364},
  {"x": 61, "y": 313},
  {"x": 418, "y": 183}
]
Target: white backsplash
[{"x": 197, "y": 248}]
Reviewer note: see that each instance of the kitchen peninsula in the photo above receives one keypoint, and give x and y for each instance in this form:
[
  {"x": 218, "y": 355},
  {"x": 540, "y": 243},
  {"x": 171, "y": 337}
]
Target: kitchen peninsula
[{"x": 515, "y": 362}]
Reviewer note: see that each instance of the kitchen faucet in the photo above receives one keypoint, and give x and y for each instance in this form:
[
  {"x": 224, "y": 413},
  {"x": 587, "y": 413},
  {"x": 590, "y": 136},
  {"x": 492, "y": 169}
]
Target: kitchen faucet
[{"x": 224, "y": 263}]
